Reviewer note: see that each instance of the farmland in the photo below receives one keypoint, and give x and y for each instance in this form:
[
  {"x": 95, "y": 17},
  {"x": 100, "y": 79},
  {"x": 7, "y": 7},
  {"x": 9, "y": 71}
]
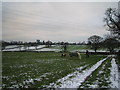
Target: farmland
[
  {"x": 52, "y": 45},
  {"x": 50, "y": 70}
]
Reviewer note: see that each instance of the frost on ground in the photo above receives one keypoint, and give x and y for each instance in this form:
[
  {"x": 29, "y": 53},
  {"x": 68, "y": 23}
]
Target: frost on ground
[
  {"x": 99, "y": 79},
  {"x": 76, "y": 78},
  {"x": 11, "y": 46},
  {"x": 48, "y": 49},
  {"x": 26, "y": 83},
  {"x": 31, "y": 48},
  {"x": 114, "y": 74},
  {"x": 84, "y": 50},
  {"x": 21, "y": 48}
]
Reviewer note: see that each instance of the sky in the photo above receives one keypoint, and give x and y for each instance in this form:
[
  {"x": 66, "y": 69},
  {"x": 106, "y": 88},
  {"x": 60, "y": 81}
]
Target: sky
[{"x": 54, "y": 21}]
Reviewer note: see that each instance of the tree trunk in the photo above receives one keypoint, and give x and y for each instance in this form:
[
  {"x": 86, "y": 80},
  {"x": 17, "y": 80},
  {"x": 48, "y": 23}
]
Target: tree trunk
[
  {"x": 95, "y": 50},
  {"x": 36, "y": 47}
]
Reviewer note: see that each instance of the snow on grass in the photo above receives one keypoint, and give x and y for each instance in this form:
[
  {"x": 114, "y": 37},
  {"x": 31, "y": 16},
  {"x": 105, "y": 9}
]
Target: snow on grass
[
  {"x": 101, "y": 79},
  {"x": 76, "y": 78},
  {"x": 114, "y": 74},
  {"x": 67, "y": 77},
  {"x": 27, "y": 83},
  {"x": 48, "y": 49},
  {"x": 84, "y": 50},
  {"x": 18, "y": 48},
  {"x": 11, "y": 46},
  {"x": 33, "y": 48},
  {"x": 14, "y": 49},
  {"x": 40, "y": 46}
]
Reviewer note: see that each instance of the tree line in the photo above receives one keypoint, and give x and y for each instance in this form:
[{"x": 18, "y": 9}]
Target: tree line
[
  {"x": 36, "y": 43},
  {"x": 112, "y": 40}
]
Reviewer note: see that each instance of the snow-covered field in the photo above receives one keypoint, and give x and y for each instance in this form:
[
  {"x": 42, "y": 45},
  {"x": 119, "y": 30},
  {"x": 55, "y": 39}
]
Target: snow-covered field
[
  {"x": 77, "y": 77},
  {"x": 114, "y": 78},
  {"x": 21, "y": 48},
  {"x": 48, "y": 49},
  {"x": 55, "y": 48},
  {"x": 11, "y": 46},
  {"x": 83, "y": 50},
  {"x": 47, "y": 70}
]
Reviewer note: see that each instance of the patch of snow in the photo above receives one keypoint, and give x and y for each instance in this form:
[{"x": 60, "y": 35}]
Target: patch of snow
[
  {"x": 18, "y": 48},
  {"x": 32, "y": 47},
  {"x": 95, "y": 85},
  {"x": 80, "y": 68},
  {"x": 78, "y": 78},
  {"x": 84, "y": 50},
  {"x": 96, "y": 82},
  {"x": 114, "y": 74},
  {"x": 32, "y": 81},
  {"x": 11, "y": 46},
  {"x": 48, "y": 49},
  {"x": 40, "y": 46},
  {"x": 14, "y": 49},
  {"x": 28, "y": 82}
]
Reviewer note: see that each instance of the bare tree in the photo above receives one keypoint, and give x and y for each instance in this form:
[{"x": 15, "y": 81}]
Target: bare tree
[
  {"x": 95, "y": 41},
  {"x": 112, "y": 20}
]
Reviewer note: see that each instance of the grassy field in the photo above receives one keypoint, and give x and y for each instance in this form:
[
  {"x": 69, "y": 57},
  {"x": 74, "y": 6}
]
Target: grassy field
[{"x": 32, "y": 69}]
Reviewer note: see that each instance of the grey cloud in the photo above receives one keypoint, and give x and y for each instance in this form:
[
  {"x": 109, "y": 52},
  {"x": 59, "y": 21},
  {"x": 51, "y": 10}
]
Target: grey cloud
[{"x": 54, "y": 21}]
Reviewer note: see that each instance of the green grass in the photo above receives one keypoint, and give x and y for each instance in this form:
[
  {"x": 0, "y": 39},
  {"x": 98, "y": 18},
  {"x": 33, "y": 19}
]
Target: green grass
[
  {"x": 78, "y": 47},
  {"x": 48, "y": 67}
]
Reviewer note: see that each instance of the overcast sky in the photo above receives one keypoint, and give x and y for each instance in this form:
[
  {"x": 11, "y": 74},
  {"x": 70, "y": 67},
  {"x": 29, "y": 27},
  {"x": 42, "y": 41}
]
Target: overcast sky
[{"x": 60, "y": 21}]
